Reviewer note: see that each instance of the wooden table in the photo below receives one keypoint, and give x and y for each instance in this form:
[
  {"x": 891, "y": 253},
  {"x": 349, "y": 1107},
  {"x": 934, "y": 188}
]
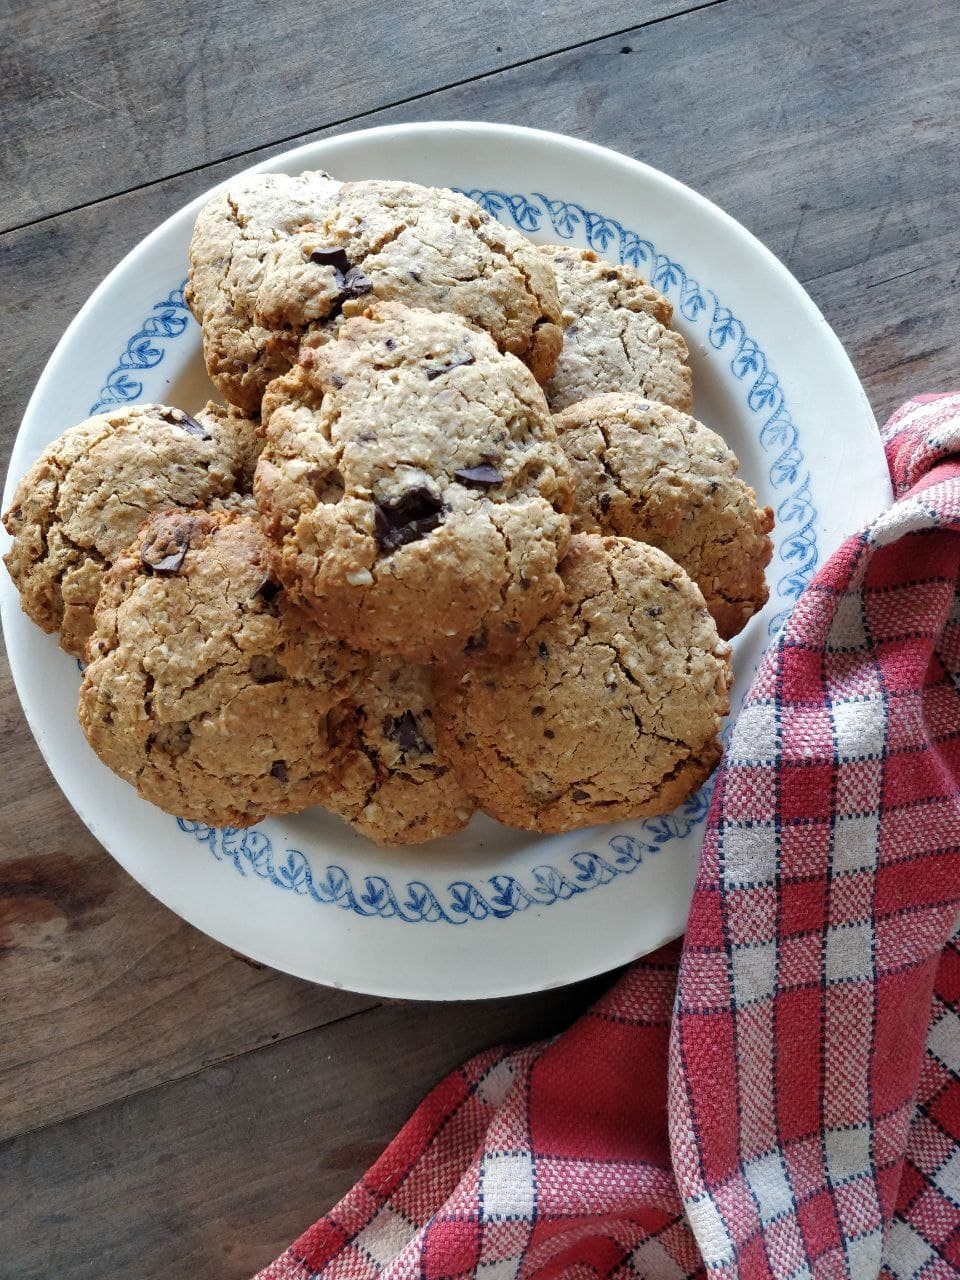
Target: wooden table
[{"x": 166, "y": 1107}]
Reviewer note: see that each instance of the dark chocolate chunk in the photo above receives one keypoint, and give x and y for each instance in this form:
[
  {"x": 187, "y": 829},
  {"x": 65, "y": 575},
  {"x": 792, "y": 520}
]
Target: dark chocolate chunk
[
  {"x": 278, "y": 770},
  {"x": 381, "y": 525},
  {"x": 457, "y": 361},
  {"x": 268, "y": 590},
  {"x": 350, "y": 280},
  {"x": 476, "y": 644},
  {"x": 390, "y": 344},
  {"x": 481, "y": 477},
  {"x": 579, "y": 795},
  {"x": 407, "y": 518},
  {"x": 336, "y": 381},
  {"x": 166, "y": 555},
  {"x": 355, "y": 285},
  {"x": 654, "y": 611},
  {"x": 544, "y": 651},
  {"x": 548, "y": 733},
  {"x": 537, "y": 711},
  {"x": 177, "y": 418},
  {"x": 405, "y": 732},
  {"x": 333, "y": 257},
  {"x": 605, "y": 501}
]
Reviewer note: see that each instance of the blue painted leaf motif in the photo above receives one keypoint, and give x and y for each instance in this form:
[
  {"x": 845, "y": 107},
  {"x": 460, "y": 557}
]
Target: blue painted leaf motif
[
  {"x": 201, "y": 832},
  {"x": 123, "y": 386},
  {"x": 724, "y": 327},
  {"x": 141, "y": 355},
  {"x": 230, "y": 847},
  {"x": 167, "y": 324},
  {"x": 629, "y": 851},
  {"x": 797, "y": 507},
  {"x": 293, "y": 873},
  {"x": 421, "y": 903},
  {"x": 551, "y": 885},
  {"x": 748, "y": 359},
  {"x": 666, "y": 273},
  {"x": 377, "y": 896},
  {"x": 335, "y": 888},
  {"x": 633, "y": 250},
  {"x": 592, "y": 870},
  {"x": 693, "y": 302},
  {"x": 466, "y": 900},
  {"x": 256, "y": 848},
  {"x": 140, "y": 352},
  {"x": 526, "y": 214},
  {"x": 492, "y": 202},
  {"x": 765, "y": 393},
  {"x": 792, "y": 587},
  {"x": 779, "y": 431},
  {"x": 565, "y": 217},
  {"x": 784, "y": 470},
  {"x": 600, "y": 231},
  {"x": 508, "y": 895},
  {"x": 776, "y": 623}
]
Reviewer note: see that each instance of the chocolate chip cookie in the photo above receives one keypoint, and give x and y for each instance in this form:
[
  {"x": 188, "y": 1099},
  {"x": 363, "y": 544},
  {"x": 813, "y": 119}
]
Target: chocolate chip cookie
[
  {"x": 611, "y": 709},
  {"x": 292, "y": 275},
  {"x": 646, "y": 471},
  {"x": 83, "y": 500},
  {"x": 234, "y": 234},
  {"x": 412, "y": 481},
  {"x": 206, "y": 688},
  {"x": 397, "y": 787},
  {"x": 618, "y": 335}
]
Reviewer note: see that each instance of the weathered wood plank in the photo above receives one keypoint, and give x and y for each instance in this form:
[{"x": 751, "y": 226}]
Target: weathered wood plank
[
  {"x": 106, "y": 992},
  {"x": 214, "y": 1175},
  {"x": 100, "y": 97}
]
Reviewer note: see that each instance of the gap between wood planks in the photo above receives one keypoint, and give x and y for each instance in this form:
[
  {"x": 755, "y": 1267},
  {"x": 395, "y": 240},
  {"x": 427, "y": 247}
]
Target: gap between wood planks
[{"x": 370, "y": 111}]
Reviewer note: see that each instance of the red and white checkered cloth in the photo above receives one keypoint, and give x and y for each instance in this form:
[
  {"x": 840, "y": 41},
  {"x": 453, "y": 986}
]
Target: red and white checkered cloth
[{"x": 782, "y": 1099}]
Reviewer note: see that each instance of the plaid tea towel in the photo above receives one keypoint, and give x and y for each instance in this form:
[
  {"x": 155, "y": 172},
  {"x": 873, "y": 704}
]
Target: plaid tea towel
[{"x": 782, "y": 1098}]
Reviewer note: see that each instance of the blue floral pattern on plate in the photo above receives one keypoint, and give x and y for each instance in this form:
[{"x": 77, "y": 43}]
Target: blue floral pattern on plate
[{"x": 251, "y": 851}]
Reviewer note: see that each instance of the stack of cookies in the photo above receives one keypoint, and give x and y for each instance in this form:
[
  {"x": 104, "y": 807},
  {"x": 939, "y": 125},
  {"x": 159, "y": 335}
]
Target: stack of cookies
[{"x": 455, "y": 541}]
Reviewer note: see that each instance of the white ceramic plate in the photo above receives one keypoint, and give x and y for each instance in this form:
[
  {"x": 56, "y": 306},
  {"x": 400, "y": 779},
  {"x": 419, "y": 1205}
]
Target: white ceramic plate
[{"x": 491, "y": 911}]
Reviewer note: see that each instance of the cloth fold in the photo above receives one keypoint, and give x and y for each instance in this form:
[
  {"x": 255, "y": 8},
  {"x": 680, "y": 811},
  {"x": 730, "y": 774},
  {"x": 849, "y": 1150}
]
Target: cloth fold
[{"x": 781, "y": 1097}]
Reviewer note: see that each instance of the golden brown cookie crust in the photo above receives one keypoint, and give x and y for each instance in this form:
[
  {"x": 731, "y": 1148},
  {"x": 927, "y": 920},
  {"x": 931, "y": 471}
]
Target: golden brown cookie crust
[
  {"x": 206, "y": 688},
  {"x": 618, "y": 335},
  {"x": 396, "y": 786},
  {"x": 413, "y": 485},
  {"x": 610, "y": 710},
  {"x": 83, "y": 500},
  {"x": 644, "y": 470},
  {"x": 233, "y": 235},
  {"x": 275, "y": 259}
]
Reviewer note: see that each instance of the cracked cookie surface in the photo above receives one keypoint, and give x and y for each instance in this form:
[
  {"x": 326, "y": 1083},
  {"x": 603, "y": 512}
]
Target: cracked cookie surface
[
  {"x": 258, "y": 288},
  {"x": 397, "y": 787},
  {"x": 643, "y": 470},
  {"x": 413, "y": 485},
  {"x": 82, "y": 501},
  {"x": 611, "y": 709},
  {"x": 234, "y": 234},
  {"x": 618, "y": 335},
  {"x": 206, "y": 688}
]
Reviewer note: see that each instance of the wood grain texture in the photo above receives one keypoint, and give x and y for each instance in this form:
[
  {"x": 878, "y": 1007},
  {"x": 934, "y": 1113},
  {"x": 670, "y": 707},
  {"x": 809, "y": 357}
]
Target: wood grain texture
[
  {"x": 142, "y": 90},
  {"x": 218, "y": 1172},
  {"x": 135, "y": 1054},
  {"x": 106, "y": 992}
]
